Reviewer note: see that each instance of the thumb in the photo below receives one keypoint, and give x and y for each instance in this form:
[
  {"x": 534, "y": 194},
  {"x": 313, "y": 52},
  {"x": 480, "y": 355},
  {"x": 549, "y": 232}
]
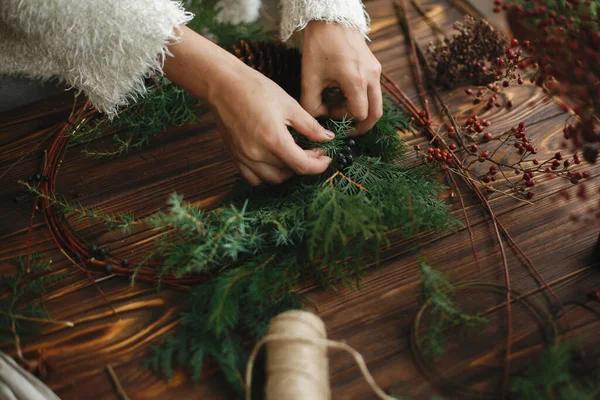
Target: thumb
[{"x": 309, "y": 127}]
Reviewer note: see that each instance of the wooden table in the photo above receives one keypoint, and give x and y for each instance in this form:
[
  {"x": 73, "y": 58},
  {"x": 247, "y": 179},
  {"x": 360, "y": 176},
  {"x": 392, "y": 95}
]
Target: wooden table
[{"x": 375, "y": 320}]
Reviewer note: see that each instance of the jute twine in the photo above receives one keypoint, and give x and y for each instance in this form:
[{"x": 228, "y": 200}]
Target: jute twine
[{"x": 297, "y": 364}]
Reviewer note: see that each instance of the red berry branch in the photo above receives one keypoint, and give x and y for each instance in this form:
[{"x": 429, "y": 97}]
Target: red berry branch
[
  {"x": 565, "y": 55},
  {"x": 467, "y": 137}
]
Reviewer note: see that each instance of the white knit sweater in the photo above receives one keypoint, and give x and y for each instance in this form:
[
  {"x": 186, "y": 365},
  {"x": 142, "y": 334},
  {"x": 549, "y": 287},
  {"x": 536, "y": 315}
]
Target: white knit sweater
[{"x": 106, "y": 48}]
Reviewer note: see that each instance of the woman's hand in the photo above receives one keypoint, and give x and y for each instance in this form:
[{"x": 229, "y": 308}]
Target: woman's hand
[
  {"x": 253, "y": 112},
  {"x": 335, "y": 55}
]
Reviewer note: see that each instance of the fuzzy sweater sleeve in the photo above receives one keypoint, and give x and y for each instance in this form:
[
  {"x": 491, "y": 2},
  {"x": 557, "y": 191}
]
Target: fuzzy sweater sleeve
[
  {"x": 104, "y": 48},
  {"x": 296, "y": 14}
]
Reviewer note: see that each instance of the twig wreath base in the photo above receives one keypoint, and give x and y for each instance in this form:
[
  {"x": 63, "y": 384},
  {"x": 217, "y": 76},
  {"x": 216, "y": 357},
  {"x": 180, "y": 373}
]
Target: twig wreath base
[{"x": 544, "y": 318}]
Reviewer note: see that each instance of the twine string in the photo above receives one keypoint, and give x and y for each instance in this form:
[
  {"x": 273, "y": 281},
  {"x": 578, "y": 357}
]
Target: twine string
[{"x": 358, "y": 358}]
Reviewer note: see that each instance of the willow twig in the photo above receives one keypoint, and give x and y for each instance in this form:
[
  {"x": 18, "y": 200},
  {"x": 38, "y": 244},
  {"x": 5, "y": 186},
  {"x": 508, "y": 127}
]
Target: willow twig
[
  {"x": 41, "y": 320},
  {"x": 466, "y": 214},
  {"x": 402, "y": 12},
  {"x": 117, "y": 383}
]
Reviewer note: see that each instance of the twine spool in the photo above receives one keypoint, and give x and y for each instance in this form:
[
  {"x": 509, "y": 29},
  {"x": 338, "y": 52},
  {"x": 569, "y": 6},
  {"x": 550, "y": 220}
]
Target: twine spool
[{"x": 297, "y": 362}]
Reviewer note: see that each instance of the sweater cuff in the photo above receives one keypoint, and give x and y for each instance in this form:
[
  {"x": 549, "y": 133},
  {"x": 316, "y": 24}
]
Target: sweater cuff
[
  {"x": 296, "y": 14},
  {"x": 113, "y": 86}
]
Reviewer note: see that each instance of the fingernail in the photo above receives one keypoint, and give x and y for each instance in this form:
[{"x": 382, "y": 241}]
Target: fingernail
[{"x": 329, "y": 134}]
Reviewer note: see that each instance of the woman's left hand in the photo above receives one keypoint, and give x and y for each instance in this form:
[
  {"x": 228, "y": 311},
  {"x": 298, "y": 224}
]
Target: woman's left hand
[{"x": 336, "y": 55}]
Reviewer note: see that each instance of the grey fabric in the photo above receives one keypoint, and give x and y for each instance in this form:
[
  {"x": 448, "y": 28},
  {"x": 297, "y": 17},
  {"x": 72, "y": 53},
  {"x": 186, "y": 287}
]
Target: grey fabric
[{"x": 19, "y": 383}]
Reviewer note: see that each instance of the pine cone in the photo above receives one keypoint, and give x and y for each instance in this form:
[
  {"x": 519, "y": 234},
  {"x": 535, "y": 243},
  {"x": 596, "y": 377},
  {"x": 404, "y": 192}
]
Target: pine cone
[{"x": 274, "y": 60}]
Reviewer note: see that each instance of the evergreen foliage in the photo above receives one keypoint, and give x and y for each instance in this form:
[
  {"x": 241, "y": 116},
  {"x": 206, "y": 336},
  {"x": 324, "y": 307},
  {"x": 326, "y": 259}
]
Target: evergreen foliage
[
  {"x": 164, "y": 105},
  {"x": 446, "y": 313},
  {"x": 266, "y": 242},
  {"x": 111, "y": 221},
  {"x": 552, "y": 377},
  {"x": 14, "y": 316}
]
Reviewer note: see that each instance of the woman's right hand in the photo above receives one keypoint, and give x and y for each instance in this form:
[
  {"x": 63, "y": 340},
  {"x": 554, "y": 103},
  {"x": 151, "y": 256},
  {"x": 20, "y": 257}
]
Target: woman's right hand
[{"x": 253, "y": 112}]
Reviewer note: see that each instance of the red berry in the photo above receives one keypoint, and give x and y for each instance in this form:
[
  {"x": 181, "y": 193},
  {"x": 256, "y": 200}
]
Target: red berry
[
  {"x": 468, "y": 91},
  {"x": 452, "y": 146},
  {"x": 486, "y": 179},
  {"x": 530, "y": 195},
  {"x": 558, "y": 155},
  {"x": 488, "y": 136},
  {"x": 485, "y": 154},
  {"x": 585, "y": 175},
  {"x": 595, "y": 295},
  {"x": 530, "y": 183},
  {"x": 430, "y": 158},
  {"x": 535, "y": 162},
  {"x": 509, "y": 103},
  {"x": 574, "y": 181},
  {"x": 513, "y": 42},
  {"x": 567, "y": 163},
  {"x": 473, "y": 148},
  {"x": 505, "y": 83}
]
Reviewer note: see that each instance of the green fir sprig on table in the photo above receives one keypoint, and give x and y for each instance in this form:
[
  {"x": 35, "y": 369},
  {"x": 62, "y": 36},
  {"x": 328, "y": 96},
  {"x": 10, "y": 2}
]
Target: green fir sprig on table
[
  {"x": 20, "y": 318},
  {"x": 94, "y": 215},
  {"x": 445, "y": 312},
  {"x": 552, "y": 377},
  {"x": 164, "y": 105}
]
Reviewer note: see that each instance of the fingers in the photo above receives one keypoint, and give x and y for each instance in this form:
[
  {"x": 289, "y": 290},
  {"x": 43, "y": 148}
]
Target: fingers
[
  {"x": 311, "y": 99},
  {"x": 302, "y": 162},
  {"x": 375, "y": 110},
  {"x": 354, "y": 87},
  {"x": 249, "y": 175},
  {"x": 309, "y": 127}
]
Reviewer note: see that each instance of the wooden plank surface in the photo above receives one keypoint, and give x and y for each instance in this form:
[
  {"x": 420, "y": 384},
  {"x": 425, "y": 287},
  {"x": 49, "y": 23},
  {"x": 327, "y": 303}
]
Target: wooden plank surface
[{"x": 375, "y": 320}]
